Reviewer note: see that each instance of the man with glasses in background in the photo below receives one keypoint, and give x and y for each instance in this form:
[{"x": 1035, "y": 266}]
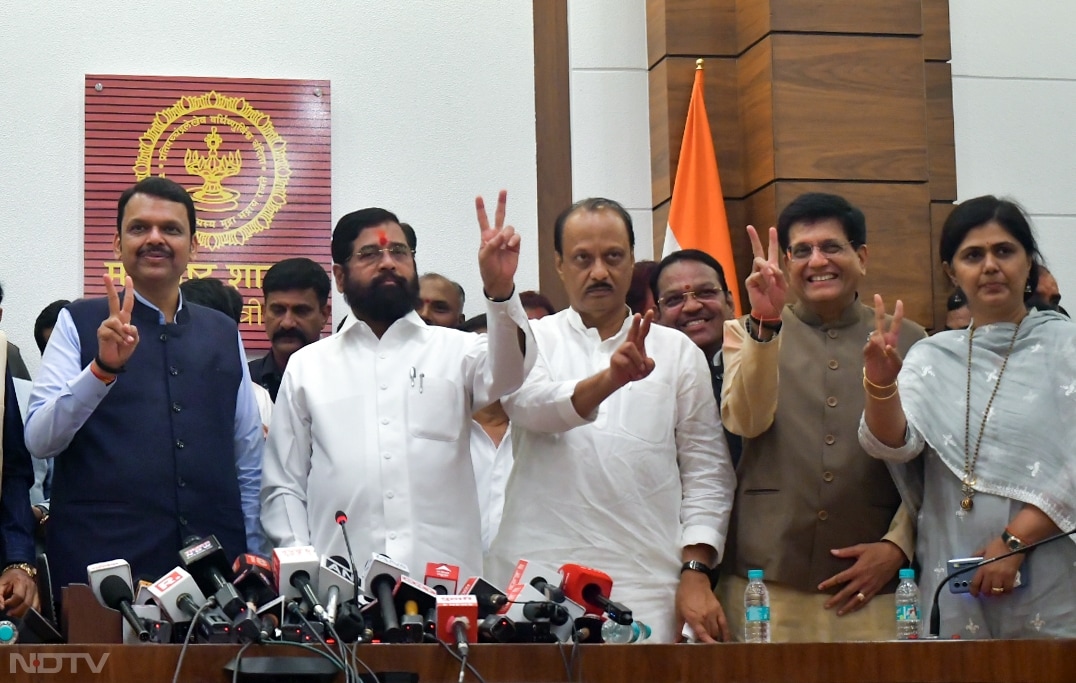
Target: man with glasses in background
[
  {"x": 691, "y": 294},
  {"x": 821, "y": 517},
  {"x": 375, "y": 420}
]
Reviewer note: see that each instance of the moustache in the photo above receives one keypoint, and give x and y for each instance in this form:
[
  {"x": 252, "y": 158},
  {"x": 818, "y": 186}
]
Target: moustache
[
  {"x": 295, "y": 334},
  {"x": 155, "y": 250},
  {"x": 602, "y": 286},
  {"x": 389, "y": 277}
]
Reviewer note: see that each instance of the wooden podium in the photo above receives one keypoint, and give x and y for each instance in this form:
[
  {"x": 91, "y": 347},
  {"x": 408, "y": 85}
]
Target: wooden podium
[{"x": 998, "y": 661}]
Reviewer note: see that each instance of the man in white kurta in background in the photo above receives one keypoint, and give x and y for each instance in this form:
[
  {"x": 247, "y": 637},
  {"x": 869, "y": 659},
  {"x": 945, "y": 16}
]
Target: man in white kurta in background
[
  {"x": 375, "y": 420},
  {"x": 620, "y": 460}
]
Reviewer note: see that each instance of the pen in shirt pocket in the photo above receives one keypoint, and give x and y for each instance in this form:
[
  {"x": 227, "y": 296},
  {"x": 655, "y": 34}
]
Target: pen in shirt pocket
[{"x": 420, "y": 376}]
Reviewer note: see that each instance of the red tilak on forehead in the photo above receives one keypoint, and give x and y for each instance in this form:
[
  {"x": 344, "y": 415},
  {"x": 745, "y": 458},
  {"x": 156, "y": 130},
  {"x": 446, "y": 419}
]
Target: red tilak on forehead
[{"x": 382, "y": 238}]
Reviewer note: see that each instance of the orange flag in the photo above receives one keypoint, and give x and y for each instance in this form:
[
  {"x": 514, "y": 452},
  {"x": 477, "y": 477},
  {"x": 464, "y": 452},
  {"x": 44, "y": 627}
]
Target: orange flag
[{"x": 697, "y": 217}]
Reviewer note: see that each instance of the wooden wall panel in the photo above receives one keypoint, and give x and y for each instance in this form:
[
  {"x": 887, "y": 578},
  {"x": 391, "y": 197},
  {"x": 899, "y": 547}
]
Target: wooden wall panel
[
  {"x": 889, "y": 17},
  {"x": 690, "y": 28},
  {"x": 943, "y": 287},
  {"x": 849, "y": 107},
  {"x": 755, "y": 80},
  {"x": 936, "y": 43},
  {"x": 941, "y": 147},
  {"x": 553, "y": 133}
]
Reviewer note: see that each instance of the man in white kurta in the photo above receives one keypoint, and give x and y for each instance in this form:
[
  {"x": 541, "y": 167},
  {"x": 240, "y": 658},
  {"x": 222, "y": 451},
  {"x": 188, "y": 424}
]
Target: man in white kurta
[
  {"x": 642, "y": 482},
  {"x": 375, "y": 420}
]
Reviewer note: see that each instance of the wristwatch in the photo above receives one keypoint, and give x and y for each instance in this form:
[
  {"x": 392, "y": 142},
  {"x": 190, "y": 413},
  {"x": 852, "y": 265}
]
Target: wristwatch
[
  {"x": 25, "y": 566},
  {"x": 1012, "y": 542},
  {"x": 695, "y": 566}
]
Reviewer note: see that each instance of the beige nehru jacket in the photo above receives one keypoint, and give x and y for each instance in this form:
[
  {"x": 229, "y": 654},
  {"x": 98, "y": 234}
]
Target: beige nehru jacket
[{"x": 805, "y": 486}]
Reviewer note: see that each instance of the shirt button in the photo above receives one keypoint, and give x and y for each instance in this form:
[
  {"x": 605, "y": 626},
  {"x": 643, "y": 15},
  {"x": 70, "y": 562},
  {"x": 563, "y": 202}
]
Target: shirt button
[
  {"x": 173, "y": 371},
  {"x": 384, "y": 386},
  {"x": 181, "y": 482},
  {"x": 831, "y": 401},
  {"x": 827, "y": 476},
  {"x": 183, "y": 521},
  {"x": 832, "y": 334},
  {"x": 384, "y": 420},
  {"x": 392, "y": 535},
  {"x": 387, "y": 456},
  {"x": 176, "y": 408},
  {"x": 830, "y": 439},
  {"x": 833, "y": 365},
  {"x": 381, "y": 356},
  {"x": 389, "y": 494},
  {"x": 823, "y": 515},
  {"x": 180, "y": 444},
  {"x": 163, "y": 337}
]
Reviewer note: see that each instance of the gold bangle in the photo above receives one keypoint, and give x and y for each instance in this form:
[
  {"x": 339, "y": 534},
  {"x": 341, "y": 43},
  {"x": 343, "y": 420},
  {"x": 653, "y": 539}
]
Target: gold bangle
[
  {"x": 867, "y": 382},
  {"x": 876, "y": 386}
]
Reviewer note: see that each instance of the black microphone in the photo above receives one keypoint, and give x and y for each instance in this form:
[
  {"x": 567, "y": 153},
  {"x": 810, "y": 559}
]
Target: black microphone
[
  {"x": 341, "y": 519},
  {"x": 556, "y": 614},
  {"x": 117, "y": 594},
  {"x": 379, "y": 581},
  {"x": 935, "y": 612},
  {"x": 204, "y": 558}
]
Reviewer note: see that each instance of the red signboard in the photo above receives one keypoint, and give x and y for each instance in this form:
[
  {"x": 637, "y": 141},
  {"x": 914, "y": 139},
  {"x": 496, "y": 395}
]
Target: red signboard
[{"x": 254, "y": 155}]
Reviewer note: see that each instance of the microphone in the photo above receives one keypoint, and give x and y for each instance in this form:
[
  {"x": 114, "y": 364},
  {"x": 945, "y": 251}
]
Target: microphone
[
  {"x": 935, "y": 611},
  {"x": 253, "y": 578},
  {"x": 536, "y": 586},
  {"x": 207, "y": 563},
  {"x": 96, "y": 573},
  {"x": 379, "y": 580},
  {"x": 497, "y": 628},
  {"x": 178, "y": 596},
  {"x": 296, "y": 569},
  {"x": 591, "y": 588},
  {"x": 118, "y": 595},
  {"x": 334, "y": 576},
  {"x": 556, "y": 614},
  {"x": 457, "y": 619},
  {"x": 491, "y": 600},
  {"x": 413, "y": 625},
  {"x": 341, "y": 519},
  {"x": 443, "y": 578}
]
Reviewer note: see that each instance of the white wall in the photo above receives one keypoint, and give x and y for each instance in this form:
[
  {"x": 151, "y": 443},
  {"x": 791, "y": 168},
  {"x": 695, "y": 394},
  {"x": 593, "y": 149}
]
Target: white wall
[
  {"x": 1014, "y": 97},
  {"x": 610, "y": 117},
  {"x": 433, "y": 103}
]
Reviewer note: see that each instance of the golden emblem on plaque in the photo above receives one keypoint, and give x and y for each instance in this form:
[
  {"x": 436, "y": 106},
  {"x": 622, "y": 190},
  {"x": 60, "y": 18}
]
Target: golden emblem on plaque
[{"x": 234, "y": 164}]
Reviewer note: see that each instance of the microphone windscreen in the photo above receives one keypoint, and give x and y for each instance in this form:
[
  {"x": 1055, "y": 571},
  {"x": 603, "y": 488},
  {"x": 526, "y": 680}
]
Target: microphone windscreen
[
  {"x": 341, "y": 517},
  {"x": 114, "y": 591}
]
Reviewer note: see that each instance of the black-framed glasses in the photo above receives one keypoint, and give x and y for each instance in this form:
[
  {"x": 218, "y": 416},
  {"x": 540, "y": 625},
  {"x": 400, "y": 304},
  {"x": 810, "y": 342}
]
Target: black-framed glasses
[
  {"x": 702, "y": 295},
  {"x": 802, "y": 251},
  {"x": 371, "y": 253}
]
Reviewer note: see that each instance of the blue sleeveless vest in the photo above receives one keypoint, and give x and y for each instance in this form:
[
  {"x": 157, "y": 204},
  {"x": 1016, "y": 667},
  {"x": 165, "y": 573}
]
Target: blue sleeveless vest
[{"x": 155, "y": 462}]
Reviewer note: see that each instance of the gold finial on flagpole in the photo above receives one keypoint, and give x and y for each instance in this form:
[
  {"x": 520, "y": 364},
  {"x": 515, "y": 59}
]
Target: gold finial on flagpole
[{"x": 698, "y": 64}]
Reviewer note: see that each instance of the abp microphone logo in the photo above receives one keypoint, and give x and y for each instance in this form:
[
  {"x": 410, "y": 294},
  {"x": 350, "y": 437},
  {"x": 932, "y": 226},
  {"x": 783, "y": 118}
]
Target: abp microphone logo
[{"x": 55, "y": 662}]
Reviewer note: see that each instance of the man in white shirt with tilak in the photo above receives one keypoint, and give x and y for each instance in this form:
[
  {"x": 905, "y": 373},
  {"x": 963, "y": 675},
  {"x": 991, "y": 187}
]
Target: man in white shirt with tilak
[
  {"x": 375, "y": 420},
  {"x": 620, "y": 459}
]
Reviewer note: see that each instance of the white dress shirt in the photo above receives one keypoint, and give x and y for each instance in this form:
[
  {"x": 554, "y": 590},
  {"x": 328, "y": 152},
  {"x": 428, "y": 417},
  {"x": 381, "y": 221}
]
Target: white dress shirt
[
  {"x": 622, "y": 490},
  {"x": 380, "y": 428},
  {"x": 492, "y": 465}
]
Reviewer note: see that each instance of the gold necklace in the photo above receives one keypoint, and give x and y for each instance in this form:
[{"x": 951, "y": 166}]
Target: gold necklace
[{"x": 968, "y": 484}]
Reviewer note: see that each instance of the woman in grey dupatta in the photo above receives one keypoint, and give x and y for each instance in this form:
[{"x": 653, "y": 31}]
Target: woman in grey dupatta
[{"x": 992, "y": 410}]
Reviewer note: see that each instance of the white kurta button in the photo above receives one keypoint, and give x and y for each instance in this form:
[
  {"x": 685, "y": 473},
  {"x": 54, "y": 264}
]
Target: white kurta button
[
  {"x": 389, "y": 494},
  {"x": 384, "y": 420},
  {"x": 384, "y": 386},
  {"x": 387, "y": 456},
  {"x": 392, "y": 535}
]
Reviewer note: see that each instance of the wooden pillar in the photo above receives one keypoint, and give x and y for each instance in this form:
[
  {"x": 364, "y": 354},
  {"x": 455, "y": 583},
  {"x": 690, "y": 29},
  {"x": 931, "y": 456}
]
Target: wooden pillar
[{"x": 847, "y": 96}]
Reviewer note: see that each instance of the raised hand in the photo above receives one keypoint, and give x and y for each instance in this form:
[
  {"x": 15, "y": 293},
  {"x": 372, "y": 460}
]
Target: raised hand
[
  {"x": 629, "y": 362},
  {"x": 767, "y": 288},
  {"x": 881, "y": 360},
  {"x": 498, "y": 257},
  {"x": 117, "y": 337}
]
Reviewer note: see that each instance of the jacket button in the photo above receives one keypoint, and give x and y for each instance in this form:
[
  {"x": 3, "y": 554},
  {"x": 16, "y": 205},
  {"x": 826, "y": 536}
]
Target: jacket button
[
  {"x": 180, "y": 444},
  {"x": 831, "y": 401},
  {"x": 830, "y": 439},
  {"x": 827, "y": 476},
  {"x": 823, "y": 515},
  {"x": 176, "y": 408},
  {"x": 163, "y": 337}
]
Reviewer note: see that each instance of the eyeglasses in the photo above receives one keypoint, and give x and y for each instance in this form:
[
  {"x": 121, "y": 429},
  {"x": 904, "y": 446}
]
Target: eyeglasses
[
  {"x": 828, "y": 249},
  {"x": 678, "y": 299},
  {"x": 371, "y": 253}
]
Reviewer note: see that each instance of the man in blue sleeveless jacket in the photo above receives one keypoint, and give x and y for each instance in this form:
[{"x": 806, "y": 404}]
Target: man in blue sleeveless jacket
[{"x": 147, "y": 406}]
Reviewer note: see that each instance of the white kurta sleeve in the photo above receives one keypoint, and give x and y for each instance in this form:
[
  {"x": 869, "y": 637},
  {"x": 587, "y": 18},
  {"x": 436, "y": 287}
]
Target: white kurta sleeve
[{"x": 286, "y": 467}]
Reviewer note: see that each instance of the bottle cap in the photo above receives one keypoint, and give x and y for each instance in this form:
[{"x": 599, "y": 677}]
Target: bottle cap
[
  {"x": 907, "y": 573},
  {"x": 754, "y": 574},
  {"x": 8, "y": 633}
]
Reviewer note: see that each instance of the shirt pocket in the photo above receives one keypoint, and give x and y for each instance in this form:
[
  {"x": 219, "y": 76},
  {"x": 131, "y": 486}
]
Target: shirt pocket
[
  {"x": 646, "y": 410},
  {"x": 435, "y": 409}
]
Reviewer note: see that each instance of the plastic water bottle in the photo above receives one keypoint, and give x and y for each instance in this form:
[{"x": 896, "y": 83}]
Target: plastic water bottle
[
  {"x": 9, "y": 635},
  {"x": 634, "y": 632},
  {"x": 756, "y": 603},
  {"x": 907, "y": 597}
]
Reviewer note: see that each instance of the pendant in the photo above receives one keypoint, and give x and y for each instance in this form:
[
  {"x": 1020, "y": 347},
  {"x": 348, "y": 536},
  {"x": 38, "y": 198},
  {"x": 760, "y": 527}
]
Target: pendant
[{"x": 966, "y": 503}]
